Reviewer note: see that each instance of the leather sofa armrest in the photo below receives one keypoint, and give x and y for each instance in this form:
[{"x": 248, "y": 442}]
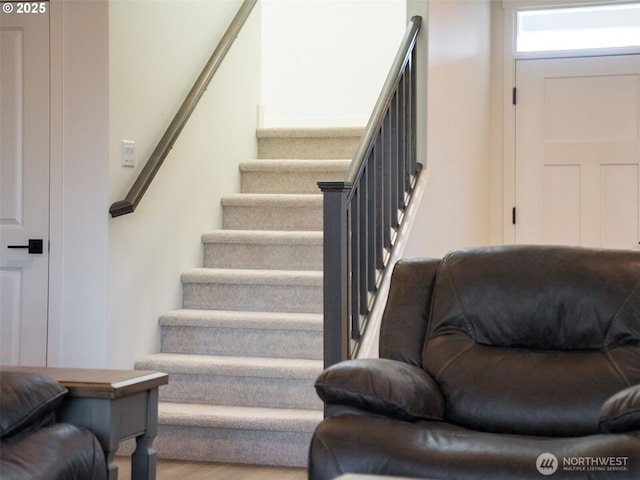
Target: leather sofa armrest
[
  {"x": 621, "y": 412},
  {"x": 382, "y": 386},
  {"x": 28, "y": 402}
]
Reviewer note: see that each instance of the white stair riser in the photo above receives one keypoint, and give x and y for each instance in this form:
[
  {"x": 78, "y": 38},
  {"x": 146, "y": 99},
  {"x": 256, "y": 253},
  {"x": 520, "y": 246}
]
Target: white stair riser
[
  {"x": 256, "y": 217},
  {"x": 242, "y": 342},
  {"x": 267, "y": 298},
  {"x": 243, "y": 255},
  {"x": 233, "y": 445},
  {"x": 276, "y": 182},
  {"x": 263, "y": 392}
]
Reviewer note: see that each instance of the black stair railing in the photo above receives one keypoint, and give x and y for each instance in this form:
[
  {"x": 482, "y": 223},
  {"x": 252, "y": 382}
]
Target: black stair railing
[{"x": 363, "y": 213}]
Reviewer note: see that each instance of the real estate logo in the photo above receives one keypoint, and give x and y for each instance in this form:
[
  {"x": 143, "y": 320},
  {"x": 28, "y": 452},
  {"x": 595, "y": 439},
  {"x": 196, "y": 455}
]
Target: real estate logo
[{"x": 547, "y": 464}]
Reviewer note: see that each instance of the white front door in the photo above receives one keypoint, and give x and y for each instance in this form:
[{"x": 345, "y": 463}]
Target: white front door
[
  {"x": 578, "y": 151},
  {"x": 24, "y": 182}
]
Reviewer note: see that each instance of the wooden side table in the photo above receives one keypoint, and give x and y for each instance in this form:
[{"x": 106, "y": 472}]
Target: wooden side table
[{"x": 115, "y": 405}]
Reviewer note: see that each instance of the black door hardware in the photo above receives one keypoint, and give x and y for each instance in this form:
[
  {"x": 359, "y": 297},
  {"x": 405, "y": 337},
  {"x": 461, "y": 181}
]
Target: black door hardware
[{"x": 35, "y": 245}]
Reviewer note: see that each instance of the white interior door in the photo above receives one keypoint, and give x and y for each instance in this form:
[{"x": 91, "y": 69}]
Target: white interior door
[
  {"x": 24, "y": 182},
  {"x": 577, "y": 151}
]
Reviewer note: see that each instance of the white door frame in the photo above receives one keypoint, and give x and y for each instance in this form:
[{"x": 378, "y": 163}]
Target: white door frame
[
  {"x": 510, "y": 9},
  {"x": 54, "y": 339}
]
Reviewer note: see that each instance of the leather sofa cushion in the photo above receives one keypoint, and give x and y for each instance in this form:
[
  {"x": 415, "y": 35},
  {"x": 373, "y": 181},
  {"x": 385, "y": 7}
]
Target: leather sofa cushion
[
  {"x": 382, "y": 446},
  {"x": 621, "y": 412},
  {"x": 495, "y": 389},
  {"x": 558, "y": 326},
  {"x": 27, "y": 402},
  {"x": 58, "y": 452},
  {"x": 382, "y": 386}
]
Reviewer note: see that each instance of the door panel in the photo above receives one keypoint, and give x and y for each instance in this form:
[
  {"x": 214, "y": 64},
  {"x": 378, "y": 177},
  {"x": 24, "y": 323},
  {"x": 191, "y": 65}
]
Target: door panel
[
  {"x": 590, "y": 109},
  {"x": 561, "y": 204},
  {"x": 24, "y": 185},
  {"x": 619, "y": 204},
  {"x": 577, "y": 151}
]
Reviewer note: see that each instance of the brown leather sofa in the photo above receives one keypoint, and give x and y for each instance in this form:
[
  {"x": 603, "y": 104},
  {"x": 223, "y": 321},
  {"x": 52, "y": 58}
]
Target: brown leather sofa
[
  {"x": 514, "y": 362},
  {"x": 33, "y": 446}
]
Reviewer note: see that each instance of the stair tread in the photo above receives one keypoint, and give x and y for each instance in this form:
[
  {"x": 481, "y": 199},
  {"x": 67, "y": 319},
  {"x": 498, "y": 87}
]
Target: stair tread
[
  {"x": 242, "y": 319},
  {"x": 294, "y": 165},
  {"x": 307, "y": 132},
  {"x": 281, "y": 237},
  {"x": 273, "y": 199},
  {"x": 301, "y": 160},
  {"x": 246, "y": 418},
  {"x": 272, "y": 367},
  {"x": 246, "y": 276}
]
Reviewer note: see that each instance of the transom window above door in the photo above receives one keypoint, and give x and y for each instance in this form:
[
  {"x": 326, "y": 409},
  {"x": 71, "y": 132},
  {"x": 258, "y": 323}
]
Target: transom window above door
[{"x": 578, "y": 28}]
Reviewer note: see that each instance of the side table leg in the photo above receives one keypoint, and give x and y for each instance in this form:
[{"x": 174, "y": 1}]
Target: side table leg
[
  {"x": 109, "y": 436},
  {"x": 143, "y": 459}
]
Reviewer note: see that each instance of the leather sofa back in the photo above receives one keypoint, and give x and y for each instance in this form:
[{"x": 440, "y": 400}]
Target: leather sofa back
[
  {"x": 406, "y": 316},
  {"x": 520, "y": 339},
  {"x": 539, "y": 298},
  {"x": 532, "y": 340}
]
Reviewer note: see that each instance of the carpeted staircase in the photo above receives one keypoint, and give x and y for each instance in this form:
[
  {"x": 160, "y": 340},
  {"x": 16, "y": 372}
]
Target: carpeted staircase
[{"x": 244, "y": 351}]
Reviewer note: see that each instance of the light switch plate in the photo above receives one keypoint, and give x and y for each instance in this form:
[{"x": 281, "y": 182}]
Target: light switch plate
[{"x": 128, "y": 150}]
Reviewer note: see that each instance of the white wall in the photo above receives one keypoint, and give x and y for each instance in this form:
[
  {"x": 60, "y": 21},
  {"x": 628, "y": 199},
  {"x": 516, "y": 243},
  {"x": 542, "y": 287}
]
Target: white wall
[
  {"x": 456, "y": 206},
  {"x": 119, "y": 71},
  {"x": 157, "y": 49},
  {"x": 325, "y": 61},
  {"x": 79, "y": 159},
  {"x": 453, "y": 195}
]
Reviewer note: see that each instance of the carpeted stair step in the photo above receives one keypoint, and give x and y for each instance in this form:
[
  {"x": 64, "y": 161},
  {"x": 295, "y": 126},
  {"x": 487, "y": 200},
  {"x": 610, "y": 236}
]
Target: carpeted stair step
[
  {"x": 259, "y": 436},
  {"x": 241, "y": 381},
  {"x": 255, "y": 211},
  {"x": 244, "y": 352},
  {"x": 289, "y": 176},
  {"x": 308, "y": 143},
  {"x": 253, "y": 290},
  {"x": 263, "y": 249},
  {"x": 260, "y": 334}
]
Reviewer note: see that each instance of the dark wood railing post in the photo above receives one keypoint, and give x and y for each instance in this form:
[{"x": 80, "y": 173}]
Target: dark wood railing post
[{"x": 335, "y": 260}]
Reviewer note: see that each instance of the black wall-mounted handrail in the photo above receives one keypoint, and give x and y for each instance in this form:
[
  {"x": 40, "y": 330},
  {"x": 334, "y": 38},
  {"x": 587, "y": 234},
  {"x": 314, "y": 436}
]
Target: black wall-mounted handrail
[
  {"x": 363, "y": 213},
  {"x": 148, "y": 172}
]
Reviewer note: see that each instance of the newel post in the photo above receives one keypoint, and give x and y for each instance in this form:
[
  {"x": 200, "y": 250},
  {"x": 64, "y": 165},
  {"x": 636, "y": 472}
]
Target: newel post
[{"x": 336, "y": 271}]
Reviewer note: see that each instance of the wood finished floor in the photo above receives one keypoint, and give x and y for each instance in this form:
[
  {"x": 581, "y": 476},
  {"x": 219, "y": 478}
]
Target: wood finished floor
[{"x": 183, "y": 470}]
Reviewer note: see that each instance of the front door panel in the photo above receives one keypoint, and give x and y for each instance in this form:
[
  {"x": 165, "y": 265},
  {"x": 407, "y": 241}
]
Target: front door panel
[{"x": 577, "y": 151}]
